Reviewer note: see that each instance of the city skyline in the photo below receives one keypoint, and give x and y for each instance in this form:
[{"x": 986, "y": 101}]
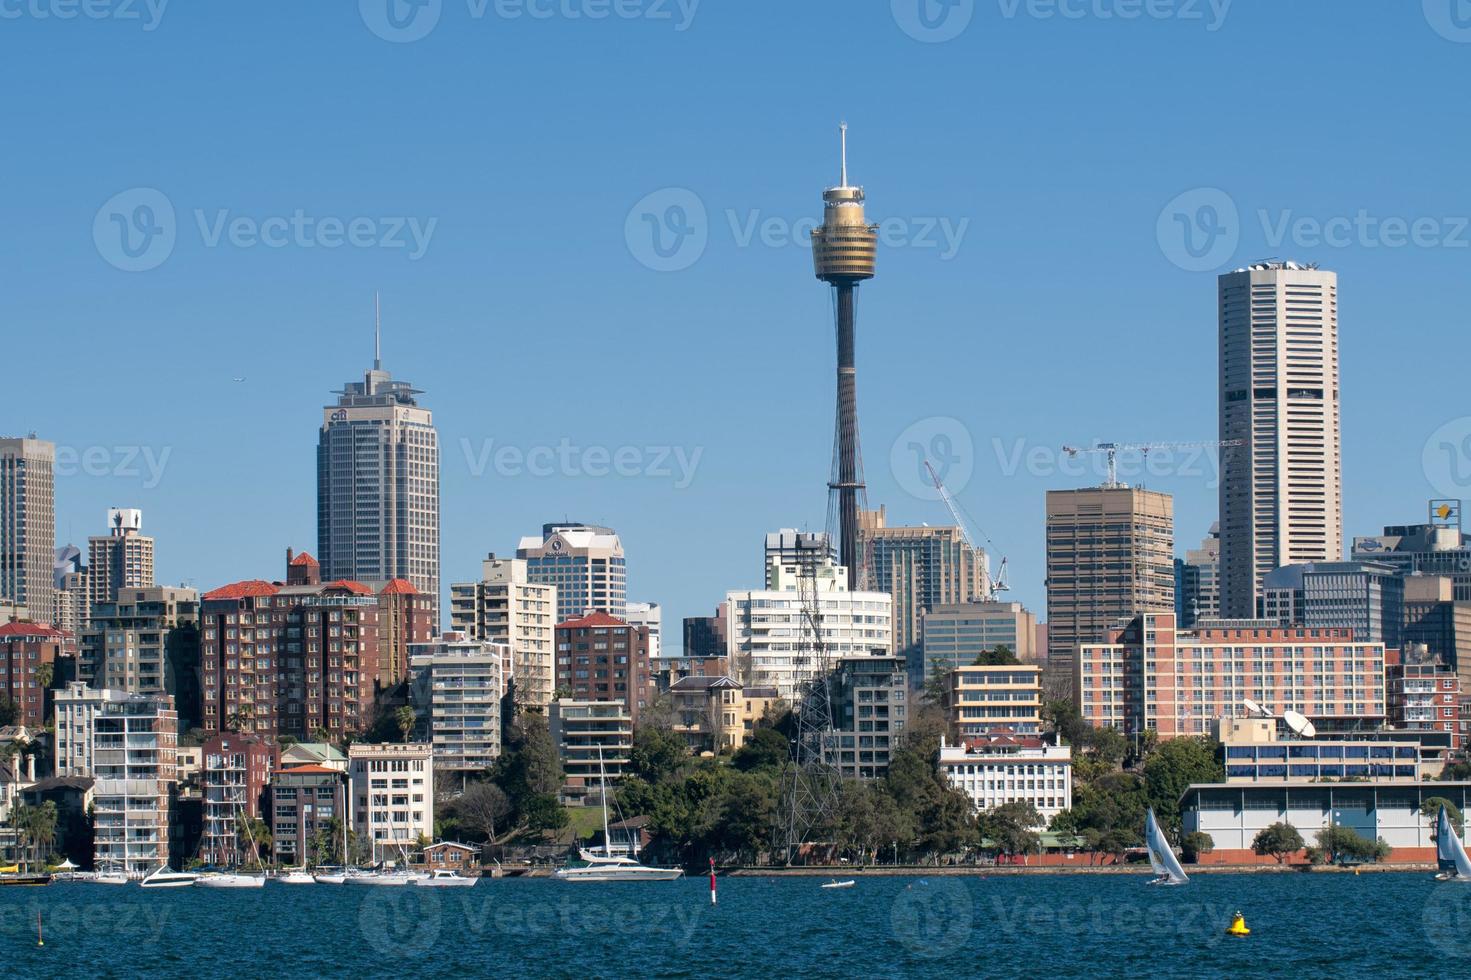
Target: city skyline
[{"x": 483, "y": 329}]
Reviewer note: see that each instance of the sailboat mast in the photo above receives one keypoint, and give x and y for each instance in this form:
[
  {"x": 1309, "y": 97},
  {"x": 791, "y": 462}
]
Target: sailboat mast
[{"x": 603, "y": 779}]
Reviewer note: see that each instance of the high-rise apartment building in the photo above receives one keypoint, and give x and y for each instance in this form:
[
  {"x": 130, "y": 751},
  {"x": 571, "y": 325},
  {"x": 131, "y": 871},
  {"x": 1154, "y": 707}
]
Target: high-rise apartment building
[
  {"x": 769, "y": 635},
  {"x": 921, "y": 567},
  {"x": 955, "y": 634},
  {"x": 27, "y": 522},
  {"x": 28, "y": 654},
  {"x": 1198, "y": 581},
  {"x": 146, "y": 641},
  {"x": 76, "y": 711},
  {"x": 870, "y": 712},
  {"x": 233, "y": 774},
  {"x": 1110, "y": 556},
  {"x": 1281, "y": 497},
  {"x": 457, "y": 686},
  {"x": 70, "y": 609},
  {"x": 507, "y": 608},
  {"x": 378, "y": 486},
  {"x": 792, "y": 548},
  {"x": 392, "y": 802},
  {"x": 604, "y": 658},
  {"x": 584, "y": 562},
  {"x": 120, "y": 559},
  {"x": 134, "y": 760}
]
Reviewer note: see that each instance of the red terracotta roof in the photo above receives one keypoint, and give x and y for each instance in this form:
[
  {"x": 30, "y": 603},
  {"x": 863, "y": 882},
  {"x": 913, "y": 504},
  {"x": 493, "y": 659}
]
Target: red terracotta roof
[
  {"x": 399, "y": 586},
  {"x": 308, "y": 770},
  {"x": 356, "y": 588},
  {"x": 243, "y": 590},
  {"x": 27, "y": 628},
  {"x": 303, "y": 559},
  {"x": 593, "y": 619}
]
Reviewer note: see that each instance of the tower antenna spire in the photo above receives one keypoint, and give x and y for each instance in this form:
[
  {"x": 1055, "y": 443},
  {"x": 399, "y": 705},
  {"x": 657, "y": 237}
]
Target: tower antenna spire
[
  {"x": 843, "y": 137},
  {"x": 377, "y": 335}
]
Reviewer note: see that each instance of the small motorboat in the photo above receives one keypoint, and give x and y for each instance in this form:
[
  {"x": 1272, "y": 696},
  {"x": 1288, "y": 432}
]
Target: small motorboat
[
  {"x": 840, "y": 884},
  {"x": 165, "y": 877},
  {"x": 445, "y": 878},
  {"x": 109, "y": 878},
  {"x": 296, "y": 876}
]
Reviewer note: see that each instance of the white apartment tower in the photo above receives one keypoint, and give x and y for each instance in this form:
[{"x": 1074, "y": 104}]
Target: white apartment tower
[
  {"x": 505, "y": 607},
  {"x": 1281, "y": 495}
]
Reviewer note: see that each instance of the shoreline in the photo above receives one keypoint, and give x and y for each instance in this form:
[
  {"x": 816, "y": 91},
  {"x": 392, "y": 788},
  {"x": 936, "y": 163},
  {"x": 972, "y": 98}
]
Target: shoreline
[{"x": 974, "y": 871}]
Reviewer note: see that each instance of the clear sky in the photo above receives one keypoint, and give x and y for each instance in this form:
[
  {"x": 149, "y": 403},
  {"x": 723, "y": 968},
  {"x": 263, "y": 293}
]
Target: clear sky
[{"x": 502, "y": 178}]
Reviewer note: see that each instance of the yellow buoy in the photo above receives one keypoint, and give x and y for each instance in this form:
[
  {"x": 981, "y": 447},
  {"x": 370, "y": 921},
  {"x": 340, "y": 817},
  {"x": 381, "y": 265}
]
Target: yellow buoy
[{"x": 1238, "y": 926}]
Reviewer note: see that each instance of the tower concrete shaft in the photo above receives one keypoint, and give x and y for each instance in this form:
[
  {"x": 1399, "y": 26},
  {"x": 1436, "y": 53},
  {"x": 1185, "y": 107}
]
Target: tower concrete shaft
[{"x": 844, "y": 252}]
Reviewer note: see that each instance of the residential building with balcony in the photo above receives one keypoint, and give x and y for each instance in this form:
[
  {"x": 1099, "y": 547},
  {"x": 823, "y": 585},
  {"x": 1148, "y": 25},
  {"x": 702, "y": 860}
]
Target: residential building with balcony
[
  {"x": 457, "y": 686},
  {"x": 604, "y": 658},
  {"x": 233, "y": 775},
  {"x": 392, "y": 797},
  {"x": 591, "y": 737},
  {"x": 507, "y": 607},
  {"x": 134, "y": 742},
  {"x": 870, "y": 713},
  {"x": 307, "y": 804},
  {"x": 982, "y": 699}
]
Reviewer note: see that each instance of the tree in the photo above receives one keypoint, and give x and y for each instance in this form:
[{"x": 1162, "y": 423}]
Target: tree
[
  {"x": 406, "y": 718},
  {"x": 35, "y": 828},
  {"x": 1458, "y": 770},
  {"x": 1196, "y": 843},
  {"x": 998, "y": 656},
  {"x": 1278, "y": 840},
  {"x": 1172, "y": 767},
  {"x": 1009, "y": 827},
  {"x": 1340, "y": 843},
  {"x": 482, "y": 808},
  {"x": 530, "y": 773},
  {"x": 766, "y": 749},
  {"x": 1431, "y": 808},
  {"x": 9, "y": 711},
  {"x": 657, "y": 753}
]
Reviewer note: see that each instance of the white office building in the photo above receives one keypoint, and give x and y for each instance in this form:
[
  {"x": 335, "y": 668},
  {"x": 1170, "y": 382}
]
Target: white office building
[
  {"x": 770, "y": 640},
  {"x": 584, "y": 562},
  {"x": 1004, "y": 768}
]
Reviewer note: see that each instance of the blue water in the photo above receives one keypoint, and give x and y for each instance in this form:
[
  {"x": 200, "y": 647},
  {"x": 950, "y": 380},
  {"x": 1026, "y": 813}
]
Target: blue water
[{"x": 1307, "y": 925}]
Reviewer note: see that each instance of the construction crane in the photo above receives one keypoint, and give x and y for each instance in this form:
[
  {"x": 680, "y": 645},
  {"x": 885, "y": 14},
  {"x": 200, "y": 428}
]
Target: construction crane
[
  {"x": 991, "y": 585},
  {"x": 1112, "y": 449}
]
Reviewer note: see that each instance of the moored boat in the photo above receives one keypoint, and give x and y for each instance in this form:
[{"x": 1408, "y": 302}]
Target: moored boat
[
  {"x": 230, "y": 879},
  {"x": 445, "y": 878},
  {"x": 165, "y": 877}
]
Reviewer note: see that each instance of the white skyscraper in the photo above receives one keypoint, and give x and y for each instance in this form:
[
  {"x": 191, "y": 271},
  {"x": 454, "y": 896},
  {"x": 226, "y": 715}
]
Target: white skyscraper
[
  {"x": 584, "y": 562},
  {"x": 1281, "y": 492},
  {"x": 378, "y": 486}
]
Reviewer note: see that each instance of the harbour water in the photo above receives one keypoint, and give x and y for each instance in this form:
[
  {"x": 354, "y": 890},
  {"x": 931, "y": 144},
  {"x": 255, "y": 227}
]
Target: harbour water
[{"x": 1057, "y": 925}]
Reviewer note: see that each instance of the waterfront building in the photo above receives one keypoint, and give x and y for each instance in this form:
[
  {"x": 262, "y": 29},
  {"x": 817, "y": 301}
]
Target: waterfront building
[
  {"x": 27, "y": 522},
  {"x": 233, "y": 775},
  {"x": 1234, "y": 813},
  {"x": 1003, "y": 767},
  {"x": 378, "y": 486},
  {"x": 75, "y": 712},
  {"x": 392, "y": 797},
  {"x": 870, "y": 713},
  {"x": 589, "y": 735},
  {"x": 770, "y": 640},
  {"x": 28, "y": 656},
  {"x": 1258, "y": 751},
  {"x": 1150, "y": 676},
  {"x": 457, "y": 685},
  {"x": 602, "y": 658},
  {"x": 306, "y": 805},
  {"x": 920, "y": 567},
  {"x": 584, "y": 562},
  {"x": 982, "y": 699},
  {"x": 1110, "y": 556},
  {"x": 1425, "y": 696},
  {"x": 120, "y": 559},
  {"x": 134, "y": 740},
  {"x": 1281, "y": 496},
  {"x": 955, "y": 634},
  {"x": 506, "y": 607}
]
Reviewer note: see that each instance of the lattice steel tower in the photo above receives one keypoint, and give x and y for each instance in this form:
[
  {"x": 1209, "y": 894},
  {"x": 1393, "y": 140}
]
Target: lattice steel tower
[{"x": 844, "y": 250}]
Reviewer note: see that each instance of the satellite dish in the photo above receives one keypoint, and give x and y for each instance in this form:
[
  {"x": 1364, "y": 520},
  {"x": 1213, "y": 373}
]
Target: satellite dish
[
  {"x": 1254, "y": 708},
  {"x": 1299, "y": 723}
]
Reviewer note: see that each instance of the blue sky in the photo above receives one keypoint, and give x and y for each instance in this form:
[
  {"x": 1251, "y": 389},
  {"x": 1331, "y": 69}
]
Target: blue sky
[{"x": 1028, "y": 167}]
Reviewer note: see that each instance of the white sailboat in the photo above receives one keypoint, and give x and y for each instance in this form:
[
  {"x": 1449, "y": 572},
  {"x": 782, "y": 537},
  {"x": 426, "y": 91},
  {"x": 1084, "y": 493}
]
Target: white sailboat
[
  {"x": 1161, "y": 855},
  {"x": 336, "y": 876},
  {"x": 1450, "y": 853},
  {"x": 235, "y": 879},
  {"x": 607, "y": 866}
]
